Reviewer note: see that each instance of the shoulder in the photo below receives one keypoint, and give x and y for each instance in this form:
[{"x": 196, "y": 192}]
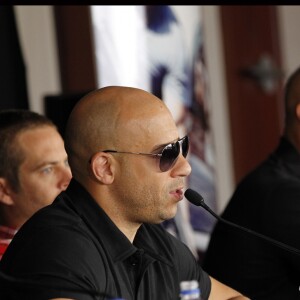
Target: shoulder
[{"x": 43, "y": 240}]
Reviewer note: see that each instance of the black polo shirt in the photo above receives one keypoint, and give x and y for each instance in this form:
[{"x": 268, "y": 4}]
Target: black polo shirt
[{"x": 73, "y": 245}]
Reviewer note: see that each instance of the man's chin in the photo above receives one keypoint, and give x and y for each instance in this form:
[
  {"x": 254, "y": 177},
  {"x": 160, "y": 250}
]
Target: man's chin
[{"x": 168, "y": 217}]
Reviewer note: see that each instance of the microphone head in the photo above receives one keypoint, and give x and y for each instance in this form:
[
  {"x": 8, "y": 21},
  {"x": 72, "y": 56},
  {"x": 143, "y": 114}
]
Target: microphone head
[{"x": 194, "y": 197}]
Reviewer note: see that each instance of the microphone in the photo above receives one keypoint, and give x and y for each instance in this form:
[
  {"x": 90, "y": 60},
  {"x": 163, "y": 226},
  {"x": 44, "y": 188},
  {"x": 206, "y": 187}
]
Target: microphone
[{"x": 196, "y": 199}]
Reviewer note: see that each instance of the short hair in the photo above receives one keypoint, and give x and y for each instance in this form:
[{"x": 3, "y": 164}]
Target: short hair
[{"x": 12, "y": 123}]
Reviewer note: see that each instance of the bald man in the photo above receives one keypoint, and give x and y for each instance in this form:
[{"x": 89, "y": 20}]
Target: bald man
[{"x": 102, "y": 236}]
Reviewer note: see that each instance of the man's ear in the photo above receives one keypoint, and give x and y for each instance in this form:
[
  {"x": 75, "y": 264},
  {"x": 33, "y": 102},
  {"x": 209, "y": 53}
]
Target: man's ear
[
  {"x": 102, "y": 167},
  {"x": 298, "y": 111},
  {"x": 5, "y": 192}
]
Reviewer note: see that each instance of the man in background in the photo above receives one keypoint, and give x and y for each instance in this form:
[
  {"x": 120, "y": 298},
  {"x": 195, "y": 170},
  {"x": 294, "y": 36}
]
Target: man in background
[
  {"x": 33, "y": 168},
  {"x": 267, "y": 201}
]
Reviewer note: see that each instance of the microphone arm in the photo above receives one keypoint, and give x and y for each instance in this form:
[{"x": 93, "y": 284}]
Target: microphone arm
[{"x": 196, "y": 199}]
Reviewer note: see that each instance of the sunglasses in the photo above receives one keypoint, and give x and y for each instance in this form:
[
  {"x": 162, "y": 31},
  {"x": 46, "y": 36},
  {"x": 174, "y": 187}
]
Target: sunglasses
[{"x": 168, "y": 155}]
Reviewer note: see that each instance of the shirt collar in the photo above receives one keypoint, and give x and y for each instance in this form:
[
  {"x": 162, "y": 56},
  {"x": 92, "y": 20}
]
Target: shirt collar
[{"x": 106, "y": 231}]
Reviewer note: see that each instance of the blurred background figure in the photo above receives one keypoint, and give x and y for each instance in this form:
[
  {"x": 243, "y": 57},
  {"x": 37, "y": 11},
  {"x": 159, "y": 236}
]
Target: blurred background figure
[
  {"x": 201, "y": 156},
  {"x": 267, "y": 201},
  {"x": 34, "y": 168}
]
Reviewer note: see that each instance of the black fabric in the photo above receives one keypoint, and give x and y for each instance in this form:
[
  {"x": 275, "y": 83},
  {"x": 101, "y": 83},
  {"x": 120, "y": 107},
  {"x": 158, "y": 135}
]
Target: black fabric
[
  {"x": 73, "y": 244},
  {"x": 266, "y": 201},
  {"x": 13, "y": 85}
]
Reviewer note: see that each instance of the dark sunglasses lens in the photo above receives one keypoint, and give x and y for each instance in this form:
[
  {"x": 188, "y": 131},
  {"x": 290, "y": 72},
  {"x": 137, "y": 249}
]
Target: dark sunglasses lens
[
  {"x": 185, "y": 146},
  {"x": 169, "y": 155}
]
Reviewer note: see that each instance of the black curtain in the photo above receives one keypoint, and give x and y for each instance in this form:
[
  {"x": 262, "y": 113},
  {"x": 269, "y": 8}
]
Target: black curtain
[{"x": 13, "y": 86}]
